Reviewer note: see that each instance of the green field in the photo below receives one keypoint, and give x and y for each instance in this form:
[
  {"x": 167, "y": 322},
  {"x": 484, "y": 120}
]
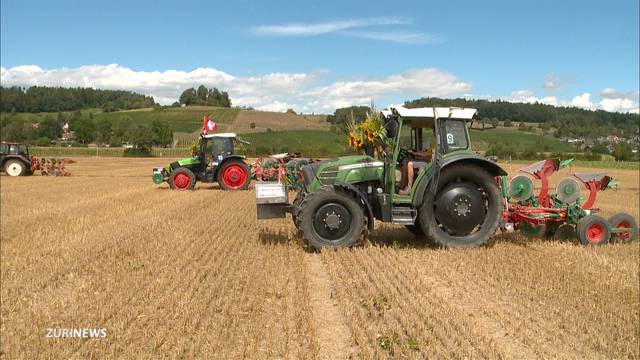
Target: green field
[
  {"x": 313, "y": 143},
  {"x": 519, "y": 140},
  {"x": 186, "y": 119}
]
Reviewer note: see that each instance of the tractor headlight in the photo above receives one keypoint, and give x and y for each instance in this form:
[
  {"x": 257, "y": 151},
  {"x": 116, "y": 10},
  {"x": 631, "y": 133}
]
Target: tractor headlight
[{"x": 271, "y": 193}]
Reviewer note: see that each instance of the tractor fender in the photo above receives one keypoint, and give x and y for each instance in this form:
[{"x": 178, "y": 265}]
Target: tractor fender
[
  {"x": 463, "y": 159},
  {"x": 359, "y": 195}
]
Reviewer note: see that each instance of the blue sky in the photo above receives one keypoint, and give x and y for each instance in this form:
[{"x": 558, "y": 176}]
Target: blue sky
[{"x": 317, "y": 55}]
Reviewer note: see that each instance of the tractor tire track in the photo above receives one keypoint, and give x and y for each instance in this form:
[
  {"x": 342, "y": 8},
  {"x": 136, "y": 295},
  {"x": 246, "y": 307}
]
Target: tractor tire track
[{"x": 333, "y": 335}]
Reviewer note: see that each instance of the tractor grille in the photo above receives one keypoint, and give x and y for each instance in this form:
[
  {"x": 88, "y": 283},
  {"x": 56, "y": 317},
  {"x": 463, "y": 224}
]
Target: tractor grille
[{"x": 328, "y": 176}]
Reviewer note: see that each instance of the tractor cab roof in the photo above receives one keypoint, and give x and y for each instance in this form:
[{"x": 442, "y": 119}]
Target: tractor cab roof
[
  {"x": 423, "y": 117},
  {"x": 219, "y": 135}
]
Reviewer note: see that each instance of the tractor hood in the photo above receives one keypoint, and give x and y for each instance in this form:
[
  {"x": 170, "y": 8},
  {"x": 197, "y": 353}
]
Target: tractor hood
[
  {"x": 186, "y": 162},
  {"x": 345, "y": 169}
]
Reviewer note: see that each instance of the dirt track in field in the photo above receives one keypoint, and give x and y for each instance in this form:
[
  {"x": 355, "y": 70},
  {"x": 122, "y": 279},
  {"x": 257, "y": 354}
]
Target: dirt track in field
[{"x": 193, "y": 274}]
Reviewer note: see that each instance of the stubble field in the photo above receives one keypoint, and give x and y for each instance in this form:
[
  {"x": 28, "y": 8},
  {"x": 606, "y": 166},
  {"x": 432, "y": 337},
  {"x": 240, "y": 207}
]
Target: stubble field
[{"x": 194, "y": 274}]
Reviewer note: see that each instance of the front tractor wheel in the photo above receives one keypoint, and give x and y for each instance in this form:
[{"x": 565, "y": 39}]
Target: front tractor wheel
[
  {"x": 234, "y": 175},
  {"x": 332, "y": 219},
  {"x": 466, "y": 209},
  {"x": 182, "y": 179},
  {"x": 15, "y": 168}
]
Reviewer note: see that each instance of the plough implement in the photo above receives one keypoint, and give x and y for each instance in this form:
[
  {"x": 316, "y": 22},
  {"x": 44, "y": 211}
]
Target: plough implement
[
  {"x": 285, "y": 168},
  {"x": 562, "y": 215},
  {"x": 50, "y": 166}
]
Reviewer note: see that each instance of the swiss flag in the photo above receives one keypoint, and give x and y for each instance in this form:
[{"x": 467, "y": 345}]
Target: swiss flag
[{"x": 208, "y": 125}]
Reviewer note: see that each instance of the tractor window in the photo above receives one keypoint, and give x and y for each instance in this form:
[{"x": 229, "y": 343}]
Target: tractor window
[
  {"x": 221, "y": 148},
  {"x": 4, "y": 148},
  {"x": 416, "y": 138},
  {"x": 456, "y": 135}
]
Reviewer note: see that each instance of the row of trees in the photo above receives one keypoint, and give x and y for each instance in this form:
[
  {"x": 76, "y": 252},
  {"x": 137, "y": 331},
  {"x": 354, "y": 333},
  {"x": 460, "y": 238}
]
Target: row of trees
[
  {"x": 87, "y": 130},
  {"x": 205, "y": 96},
  {"x": 570, "y": 121},
  {"x": 566, "y": 121},
  {"x": 52, "y": 99}
]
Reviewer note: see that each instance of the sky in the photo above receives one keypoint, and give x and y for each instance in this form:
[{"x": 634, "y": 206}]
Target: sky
[{"x": 316, "y": 56}]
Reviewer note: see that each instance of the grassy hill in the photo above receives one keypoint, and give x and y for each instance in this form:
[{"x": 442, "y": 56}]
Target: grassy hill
[{"x": 519, "y": 140}]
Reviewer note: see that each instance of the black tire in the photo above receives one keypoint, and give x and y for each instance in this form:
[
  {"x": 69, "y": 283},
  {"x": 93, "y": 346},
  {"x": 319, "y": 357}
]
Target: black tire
[
  {"x": 296, "y": 203},
  {"x": 240, "y": 178},
  {"x": 593, "y": 230},
  {"x": 415, "y": 230},
  {"x": 314, "y": 227},
  {"x": 14, "y": 167},
  {"x": 482, "y": 188},
  {"x": 177, "y": 179},
  {"x": 625, "y": 220},
  {"x": 564, "y": 232}
]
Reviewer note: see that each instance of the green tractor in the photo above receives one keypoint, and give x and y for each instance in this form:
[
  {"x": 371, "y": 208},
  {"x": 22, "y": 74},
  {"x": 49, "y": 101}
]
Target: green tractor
[
  {"x": 215, "y": 161},
  {"x": 454, "y": 198}
]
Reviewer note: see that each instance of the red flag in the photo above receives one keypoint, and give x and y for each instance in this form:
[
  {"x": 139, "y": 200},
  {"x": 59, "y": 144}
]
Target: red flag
[{"x": 208, "y": 125}]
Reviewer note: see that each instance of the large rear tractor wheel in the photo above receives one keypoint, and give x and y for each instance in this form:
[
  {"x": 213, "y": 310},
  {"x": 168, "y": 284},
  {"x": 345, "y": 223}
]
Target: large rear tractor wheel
[
  {"x": 593, "y": 230},
  {"x": 466, "y": 209},
  {"x": 331, "y": 219},
  {"x": 415, "y": 230},
  {"x": 296, "y": 203},
  {"x": 182, "y": 179},
  {"x": 15, "y": 168},
  {"x": 623, "y": 220},
  {"x": 234, "y": 175}
]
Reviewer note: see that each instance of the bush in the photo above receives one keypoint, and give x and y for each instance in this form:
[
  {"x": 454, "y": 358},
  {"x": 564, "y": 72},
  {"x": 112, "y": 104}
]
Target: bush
[
  {"x": 502, "y": 151},
  {"x": 528, "y": 155},
  {"x": 589, "y": 156},
  {"x": 42, "y": 141},
  {"x": 137, "y": 152},
  {"x": 252, "y": 125}
]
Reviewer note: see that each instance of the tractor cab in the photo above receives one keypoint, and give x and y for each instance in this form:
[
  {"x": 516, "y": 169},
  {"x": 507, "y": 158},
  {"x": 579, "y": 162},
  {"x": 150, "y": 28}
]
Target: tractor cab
[
  {"x": 420, "y": 139},
  {"x": 217, "y": 146}
]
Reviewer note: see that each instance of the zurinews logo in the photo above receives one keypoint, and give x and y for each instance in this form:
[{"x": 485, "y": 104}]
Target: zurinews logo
[{"x": 76, "y": 333}]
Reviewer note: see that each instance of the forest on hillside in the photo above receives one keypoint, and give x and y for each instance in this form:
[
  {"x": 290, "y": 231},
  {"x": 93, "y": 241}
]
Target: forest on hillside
[{"x": 37, "y": 99}]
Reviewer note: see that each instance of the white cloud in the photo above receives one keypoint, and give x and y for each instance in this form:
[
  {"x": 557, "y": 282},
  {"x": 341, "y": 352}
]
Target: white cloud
[
  {"x": 553, "y": 82},
  {"x": 397, "y": 36},
  {"x": 348, "y": 27},
  {"x": 274, "y": 91},
  {"x": 583, "y": 101},
  {"x": 298, "y": 29}
]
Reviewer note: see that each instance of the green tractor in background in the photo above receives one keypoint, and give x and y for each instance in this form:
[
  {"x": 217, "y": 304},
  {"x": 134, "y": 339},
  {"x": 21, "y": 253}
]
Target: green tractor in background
[
  {"x": 214, "y": 161},
  {"x": 454, "y": 199}
]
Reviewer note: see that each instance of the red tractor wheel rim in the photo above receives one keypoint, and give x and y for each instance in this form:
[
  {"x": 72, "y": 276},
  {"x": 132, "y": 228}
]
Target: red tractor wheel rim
[
  {"x": 595, "y": 233},
  {"x": 181, "y": 181},
  {"x": 626, "y": 234},
  {"x": 234, "y": 176}
]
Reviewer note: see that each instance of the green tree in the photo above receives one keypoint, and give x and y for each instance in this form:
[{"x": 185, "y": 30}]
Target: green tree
[
  {"x": 103, "y": 132},
  {"x": 13, "y": 130},
  {"x": 163, "y": 135},
  {"x": 84, "y": 129},
  {"x": 188, "y": 97},
  {"x": 49, "y": 128},
  {"x": 622, "y": 152},
  {"x": 141, "y": 137},
  {"x": 201, "y": 94}
]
